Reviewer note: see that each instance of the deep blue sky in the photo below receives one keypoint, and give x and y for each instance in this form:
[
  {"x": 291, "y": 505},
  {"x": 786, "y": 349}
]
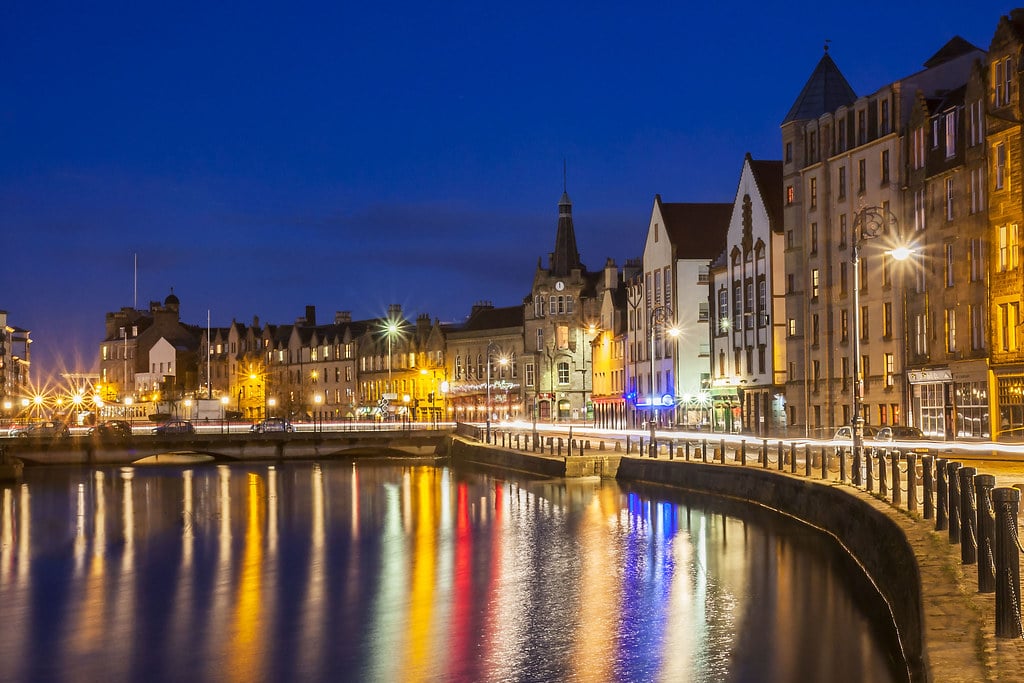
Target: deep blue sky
[{"x": 263, "y": 157}]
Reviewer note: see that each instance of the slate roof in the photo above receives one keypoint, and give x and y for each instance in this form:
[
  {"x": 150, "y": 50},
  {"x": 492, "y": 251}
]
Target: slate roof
[
  {"x": 566, "y": 255},
  {"x": 955, "y": 47},
  {"x": 768, "y": 176},
  {"x": 697, "y": 230},
  {"x": 494, "y": 319},
  {"x": 825, "y": 91}
]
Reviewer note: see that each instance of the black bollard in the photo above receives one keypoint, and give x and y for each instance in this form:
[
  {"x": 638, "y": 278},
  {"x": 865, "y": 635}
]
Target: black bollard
[
  {"x": 686, "y": 444},
  {"x": 983, "y": 485},
  {"x": 559, "y": 447},
  {"x": 858, "y": 457},
  {"x": 842, "y": 465},
  {"x": 792, "y": 458},
  {"x": 807, "y": 460},
  {"x": 911, "y": 482},
  {"x": 953, "y": 483},
  {"x": 824, "y": 463},
  {"x": 627, "y": 444},
  {"x": 968, "y": 516},
  {"x": 704, "y": 450},
  {"x": 764, "y": 453},
  {"x": 671, "y": 450},
  {"x": 741, "y": 455},
  {"x": 883, "y": 488},
  {"x": 941, "y": 496},
  {"x": 926, "y": 477},
  {"x": 897, "y": 487},
  {"x": 781, "y": 455},
  {"x": 723, "y": 451},
  {"x": 1007, "y": 502},
  {"x": 869, "y": 453}
]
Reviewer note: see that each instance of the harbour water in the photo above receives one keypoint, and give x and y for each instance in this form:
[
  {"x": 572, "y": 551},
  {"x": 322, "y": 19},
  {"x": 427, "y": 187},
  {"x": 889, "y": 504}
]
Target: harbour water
[{"x": 385, "y": 570}]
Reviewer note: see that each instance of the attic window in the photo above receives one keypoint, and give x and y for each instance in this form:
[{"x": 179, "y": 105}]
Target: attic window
[{"x": 655, "y": 232}]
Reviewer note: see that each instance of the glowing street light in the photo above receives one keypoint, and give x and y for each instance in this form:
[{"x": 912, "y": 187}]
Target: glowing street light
[
  {"x": 659, "y": 315},
  {"x": 870, "y": 222}
]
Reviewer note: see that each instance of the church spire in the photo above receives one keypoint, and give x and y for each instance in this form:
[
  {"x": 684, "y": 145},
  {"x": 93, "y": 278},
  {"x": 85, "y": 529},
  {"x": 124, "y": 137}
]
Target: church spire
[{"x": 566, "y": 256}]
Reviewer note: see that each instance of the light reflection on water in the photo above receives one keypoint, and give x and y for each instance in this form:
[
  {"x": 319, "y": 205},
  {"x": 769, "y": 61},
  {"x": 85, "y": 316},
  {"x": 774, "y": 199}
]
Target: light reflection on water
[{"x": 396, "y": 572}]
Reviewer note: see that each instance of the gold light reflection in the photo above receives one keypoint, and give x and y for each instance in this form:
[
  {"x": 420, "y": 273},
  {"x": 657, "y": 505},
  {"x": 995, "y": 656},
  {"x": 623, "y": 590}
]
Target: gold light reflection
[
  {"x": 245, "y": 660},
  {"x": 315, "y": 605},
  {"x": 220, "y": 609},
  {"x": 6, "y": 536},
  {"x": 88, "y": 633},
  {"x": 386, "y": 615},
  {"x": 600, "y": 608},
  {"x": 421, "y": 596}
]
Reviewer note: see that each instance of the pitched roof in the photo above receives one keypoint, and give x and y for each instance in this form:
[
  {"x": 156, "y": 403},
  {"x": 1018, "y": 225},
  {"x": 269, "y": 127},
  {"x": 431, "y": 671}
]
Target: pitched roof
[
  {"x": 826, "y": 90},
  {"x": 955, "y": 47},
  {"x": 697, "y": 230},
  {"x": 490, "y": 318},
  {"x": 768, "y": 176}
]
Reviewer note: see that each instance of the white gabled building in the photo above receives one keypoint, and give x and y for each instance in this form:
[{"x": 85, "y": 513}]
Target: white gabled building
[
  {"x": 748, "y": 341},
  {"x": 682, "y": 240}
]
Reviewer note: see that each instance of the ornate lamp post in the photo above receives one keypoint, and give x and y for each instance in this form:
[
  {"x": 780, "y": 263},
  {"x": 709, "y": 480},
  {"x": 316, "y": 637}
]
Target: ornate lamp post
[{"x": 870, "y": 222}]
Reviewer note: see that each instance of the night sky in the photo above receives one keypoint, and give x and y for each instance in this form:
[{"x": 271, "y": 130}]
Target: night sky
[{"x": 349, "y": 155}]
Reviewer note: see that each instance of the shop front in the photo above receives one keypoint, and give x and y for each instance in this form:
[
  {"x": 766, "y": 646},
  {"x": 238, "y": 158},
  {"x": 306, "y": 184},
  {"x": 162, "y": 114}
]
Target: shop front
[
  {"x": 952, "y": 402},
  {"x": 726, "y": 412}
]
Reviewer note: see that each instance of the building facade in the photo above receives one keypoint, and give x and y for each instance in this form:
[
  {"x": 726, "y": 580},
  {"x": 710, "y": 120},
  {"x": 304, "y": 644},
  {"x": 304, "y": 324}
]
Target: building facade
[{"x": 748, "y": 352}]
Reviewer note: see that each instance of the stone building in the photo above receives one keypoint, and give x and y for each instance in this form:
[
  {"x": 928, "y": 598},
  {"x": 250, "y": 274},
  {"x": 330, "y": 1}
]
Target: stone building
[
  {"x": 1005, "y": 146},
  {"x": 946, "y": 285},
  {"x": 558, "y": 315},
  {"x": 668, "y": 310},
  {"x": 491, "y": 338},
  {"x": 608, "y": 347},
  {"x": 15, "y": 361},
  {"x": 844, "y": 167},
  {"x": 748, "y": 344}
]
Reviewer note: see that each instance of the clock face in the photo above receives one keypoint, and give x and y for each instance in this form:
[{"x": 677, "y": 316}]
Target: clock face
[{"x": 559, "y": 285}]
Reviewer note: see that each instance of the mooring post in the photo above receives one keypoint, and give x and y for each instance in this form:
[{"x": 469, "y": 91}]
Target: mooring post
[
  {"x": 983, "y": 485},
  {"x": 926, "y": 480},
  {"x": 912, "y": 481},
  {"x": 968, "y": 516},
  {"x": 953, "y": 483},
  {"x": 941, "y": 496},
  {"x": 869, "y": 453},
  {"x": 1007, "y": 504},
  {"x": 897, "y": 488}
]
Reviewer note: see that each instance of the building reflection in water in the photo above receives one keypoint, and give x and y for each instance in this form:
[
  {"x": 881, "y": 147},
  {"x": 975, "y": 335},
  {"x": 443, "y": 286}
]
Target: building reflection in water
[{"x": 376, "y": 571}]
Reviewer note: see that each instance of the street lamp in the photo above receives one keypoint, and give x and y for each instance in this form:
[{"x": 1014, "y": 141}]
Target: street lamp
[
  {"x": 317, "y": 415},
  {"x": 870, "y": 222},
  {"x": 659, "y": 315},
  {"x": 391, "y": 328},
  {"x": 271, "y": 402},
  {"x": 224, "y": 412}
]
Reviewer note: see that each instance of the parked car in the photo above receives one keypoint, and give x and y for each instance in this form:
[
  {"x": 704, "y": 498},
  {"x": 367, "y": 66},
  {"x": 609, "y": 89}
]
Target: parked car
[
  {"x": 845, "y": 433},
  {"x": 272, "y": 424},
  {"x": 175, "y": 427},
  {"x": 47, "y": 430},
  {"x": 899, "y": 433},
  {"x": 111, "y": 430}
]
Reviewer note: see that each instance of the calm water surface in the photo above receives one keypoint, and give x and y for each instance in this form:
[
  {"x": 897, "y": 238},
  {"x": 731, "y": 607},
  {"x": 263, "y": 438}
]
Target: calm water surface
[{"x": 398, "y": 571}]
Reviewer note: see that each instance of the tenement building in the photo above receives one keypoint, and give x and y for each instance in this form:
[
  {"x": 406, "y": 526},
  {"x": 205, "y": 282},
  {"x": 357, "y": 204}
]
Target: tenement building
[
  {"x": 14, "y": 361},
  {"x": 844, "y": 170},
  {"x": 945, "y": 285},
  {"x": 1004, "y": 138}
]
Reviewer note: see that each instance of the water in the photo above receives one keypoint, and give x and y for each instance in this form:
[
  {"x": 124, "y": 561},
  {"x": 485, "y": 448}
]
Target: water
[{"x": 392, "y": 571}]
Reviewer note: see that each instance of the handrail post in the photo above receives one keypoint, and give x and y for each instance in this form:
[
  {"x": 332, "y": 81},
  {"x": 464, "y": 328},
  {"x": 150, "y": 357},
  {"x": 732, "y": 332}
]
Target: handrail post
[
  {"x": 968, "y": 516},
  {"x": 927, "y": 481},
  {"x": 983, "y": 485},
  {"x": 1007, "y": 504},
  {"x": 941, "y": 495}
]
